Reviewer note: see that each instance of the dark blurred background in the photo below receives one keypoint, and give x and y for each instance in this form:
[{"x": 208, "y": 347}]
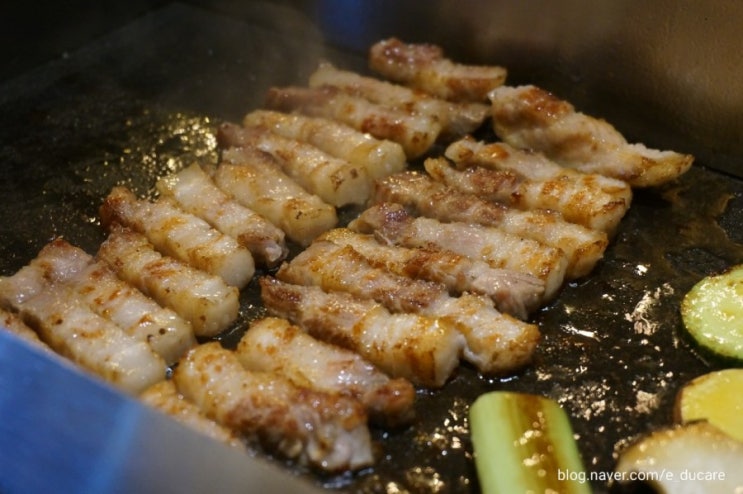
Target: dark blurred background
[{"x": 677, "y": 63}]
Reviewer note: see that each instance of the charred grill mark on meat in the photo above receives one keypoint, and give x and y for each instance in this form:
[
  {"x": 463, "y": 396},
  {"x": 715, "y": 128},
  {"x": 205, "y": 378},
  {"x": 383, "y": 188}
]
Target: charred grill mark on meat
[
  {"x": 180, "y": 235},
  {"x": 485, "y": 330},
  {"x": 414, "y": 132},
  {"x": 422, "y": 195},
  {"x": 256, "y": 181},
  {"x": 196, "y": 192},
  {"x": 529, "y": 117},
  {"x": 391, "y": 222},
  {"x": 424, "y": 66},
  {"x": 327, "y": 432},
  {"x": 379, "y": 157},
  {"x": 275, "y": 345},
  {"x": 205, "y": 300},
  {"x": 421, "y": 349}
]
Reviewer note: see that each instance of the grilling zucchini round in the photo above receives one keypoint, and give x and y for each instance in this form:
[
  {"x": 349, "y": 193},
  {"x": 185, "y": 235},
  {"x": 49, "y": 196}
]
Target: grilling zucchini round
[
  {"x": 716, "y": 397},
  {"x": 712, "y": 313}
]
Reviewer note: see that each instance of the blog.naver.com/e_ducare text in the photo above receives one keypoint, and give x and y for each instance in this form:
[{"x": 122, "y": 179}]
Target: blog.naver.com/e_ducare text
[{"x": 664, "y": 475}]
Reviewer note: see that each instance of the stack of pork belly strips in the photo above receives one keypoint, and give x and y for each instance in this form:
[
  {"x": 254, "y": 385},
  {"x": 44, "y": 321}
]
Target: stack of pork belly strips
[{"x": 445, "y": 264}]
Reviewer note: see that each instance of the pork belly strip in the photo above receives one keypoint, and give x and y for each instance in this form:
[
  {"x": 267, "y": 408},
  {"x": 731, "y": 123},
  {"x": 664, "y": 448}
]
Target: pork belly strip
[
  {"x": 574, "y": 203},
  {"x": 424, "y": 66},
  {"x": 421, "y": 349},
  {"x": 256, "y": 181},
  {"x": 456, "y": 119},
  {"x": 391, "y": 222},
  {"x": 422, "y": 195},
  {"x": 12, "y": 322},
  {"x": 205, "y": 300},
  {"x": 275, "y": 345},
  {"x": 181, "y": 235},
  {"x": 196, "y": 193},
  {"x": 512, "y": 292},
  {"x": 415, "y": 133},
  {"x": 334, "y": 180},
  {"x": 70, "y": 328},
  {"x": 379, "y": 157},
  {"x": 328, "y": 432},
  {"x": 108, "y": 296},
  {"x": 531, "y": 118},
  {"x": 589, "y": 199},
  {"x": 494, "y": 342},
  {"x": 164, "y": 397}
]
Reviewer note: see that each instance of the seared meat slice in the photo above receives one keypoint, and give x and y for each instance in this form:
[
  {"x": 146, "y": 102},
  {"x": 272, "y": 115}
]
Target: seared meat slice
[
  {"x": 108, "y": 296},
  {"x": 196, "y": 193},
  {"x": 414, "y": 132},
  {"x": 255, "y": 180},
  {"x": 512, "y": 292},
  {"x": 328, "y": 432},
  {"x": 500, "y": 249},
  {"x": 164, "y": 397},
  {"x": 423, "y": 66},
  {"x": 494, "y": 342},
  {"x": 379, "y": 157},
  {"x": 589, "y": 199},
  {"x": 529, "y": 117},
  {"x": 180, "y": 235},
  {"x": 334, "y": 180},
  {"x": 574, "y": 204},
  {"x": 456, "y": 119},
  {"x": 12, "y": 322},
  {"x": 419, "y": 193},
  {"x": 421, "y": 349},
  {"x": 72, "y": 329},
  {"x": 205, "y": 300},
  {"x": 275, "y": 345}
]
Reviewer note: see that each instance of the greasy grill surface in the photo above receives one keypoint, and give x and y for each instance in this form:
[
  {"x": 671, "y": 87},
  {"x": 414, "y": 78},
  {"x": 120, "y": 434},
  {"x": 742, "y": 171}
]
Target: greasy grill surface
[{"x": 144, "y": 101}]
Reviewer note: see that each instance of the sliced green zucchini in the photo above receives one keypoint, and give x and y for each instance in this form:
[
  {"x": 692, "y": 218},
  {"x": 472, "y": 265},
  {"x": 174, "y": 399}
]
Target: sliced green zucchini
[
  {"x": 524, "y": 443},
  {"x": 712, "y": 313},
  {"x": 716, "y": 397}
]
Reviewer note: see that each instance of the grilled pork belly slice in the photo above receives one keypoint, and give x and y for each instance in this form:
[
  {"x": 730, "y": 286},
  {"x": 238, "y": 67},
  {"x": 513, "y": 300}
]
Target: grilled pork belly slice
[
  {"x": 205, "y": 300},
  {"x": 334, "y": 180},
  {"x": 328, "y": 432},
  {"x": 164, "y": 396},
  {"x": 196, "y": 193},
  {"x": 414, "y": 132},
  {"x": 180, "y": 235},
  {"x": 12, "y": 322},
  {"x": 423, "y": 66},
  {"x": 379, "y": 157},
  {"x": 256, "y": 181},
  {"x": 456, "y": 119},
  {"x": 70, "y": 328},
  {"x": 275, "y": 345},
  {"x": 577, "y": 198},
  {"x": 529, "y": 117},
  {"x": 392, "y": 223},
  {"x": 512, "y": 292},
  {"x": 494, "y": 342},
  {"x": 424, "y": 196},
  {"x": 421, "y": 349},
  {"x": 568, "y": 191},
  {"x": 108, "y": 296}
]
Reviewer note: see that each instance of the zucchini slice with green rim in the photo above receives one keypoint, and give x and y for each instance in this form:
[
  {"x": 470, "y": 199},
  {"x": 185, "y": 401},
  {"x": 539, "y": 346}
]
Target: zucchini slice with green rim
[{"x": 712, "y": 313}]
